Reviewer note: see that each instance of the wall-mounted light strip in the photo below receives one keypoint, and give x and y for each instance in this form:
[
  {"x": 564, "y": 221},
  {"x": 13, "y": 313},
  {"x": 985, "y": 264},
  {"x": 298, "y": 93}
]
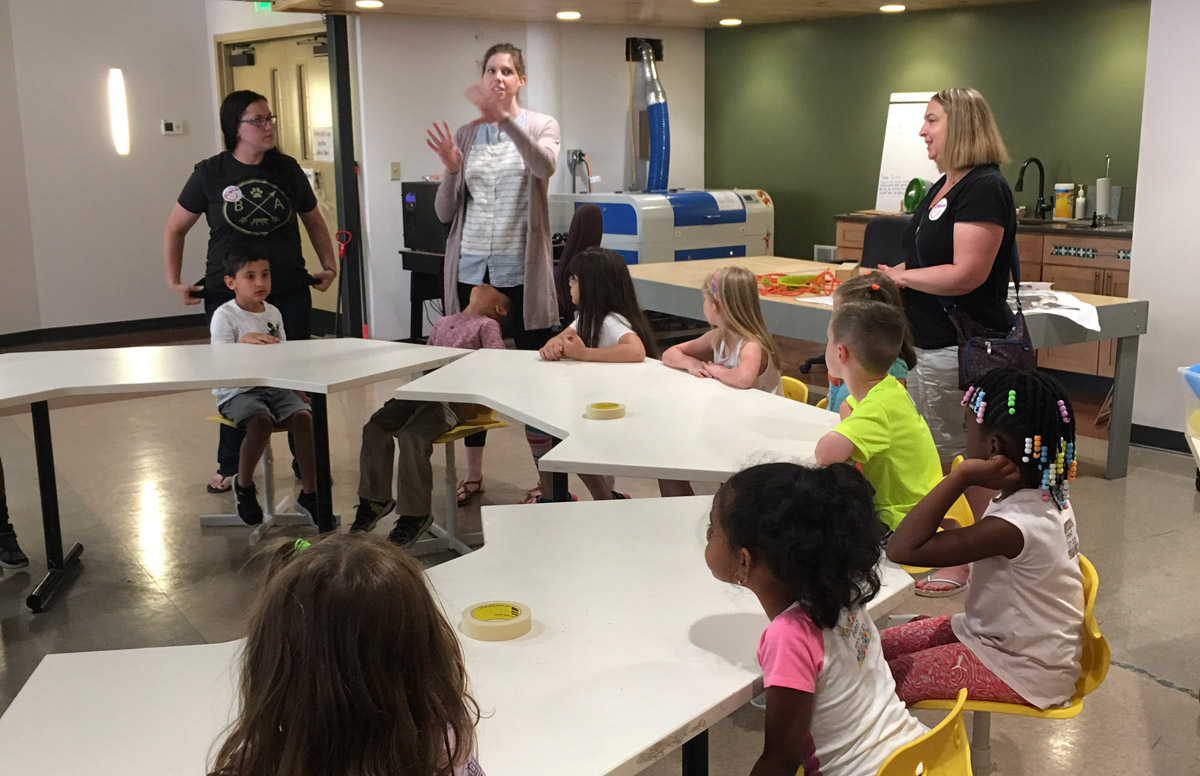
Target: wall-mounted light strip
[{"x": 118, "y": 113}]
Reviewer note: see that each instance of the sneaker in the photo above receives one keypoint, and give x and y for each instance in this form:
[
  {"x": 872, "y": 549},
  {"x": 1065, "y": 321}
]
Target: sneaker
[
  {"x": 617, "y": 496},
  {"x": 11, "y": 556},
  {"x": 759, "y": 701},
  {"x": 248, "y": 507},
  {"x": 369, "y": 513},
  {"x": 407, "y": 529},
  {"x": 308, "y": 505}
]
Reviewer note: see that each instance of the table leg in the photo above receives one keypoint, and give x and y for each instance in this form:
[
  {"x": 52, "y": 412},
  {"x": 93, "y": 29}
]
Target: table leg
[
  {"x": 320, "y": 414},
  {"x": 416, "y": 310},
  {"x": 1122, "y": 409},
  {"x": 58, "y": 566},
  {"x": 560, "y": 492},
  {"x": 695, "y": 755}
]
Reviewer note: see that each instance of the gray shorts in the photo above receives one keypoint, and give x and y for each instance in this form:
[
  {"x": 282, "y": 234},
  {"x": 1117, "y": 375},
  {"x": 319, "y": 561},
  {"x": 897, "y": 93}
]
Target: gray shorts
[
  {"x": 933, "y": 386},
  {"x": 278, "y": 404}
]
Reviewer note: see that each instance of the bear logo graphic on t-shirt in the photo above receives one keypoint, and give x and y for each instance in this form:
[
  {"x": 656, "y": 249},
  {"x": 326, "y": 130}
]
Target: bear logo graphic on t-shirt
[{"x": 261, "y": 209}]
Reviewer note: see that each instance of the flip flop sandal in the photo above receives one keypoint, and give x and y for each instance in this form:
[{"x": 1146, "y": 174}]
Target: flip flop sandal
[
  {"x": 468, "y": 490},
  {"x": 956, "y": 587},
  {"x": 532, "y": 495},
  {"x": 220, "y": 484}
]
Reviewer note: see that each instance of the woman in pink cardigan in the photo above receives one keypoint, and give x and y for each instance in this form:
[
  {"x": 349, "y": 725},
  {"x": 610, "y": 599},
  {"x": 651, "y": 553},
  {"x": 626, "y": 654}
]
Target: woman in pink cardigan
[{"x": 494, "y": 196}]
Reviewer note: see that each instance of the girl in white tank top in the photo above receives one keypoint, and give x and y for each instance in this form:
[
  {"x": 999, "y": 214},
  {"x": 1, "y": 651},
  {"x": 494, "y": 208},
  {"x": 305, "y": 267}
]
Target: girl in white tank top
[
  {"x": 1020, "y": 637},
  {"x": 738, "y": 351}
]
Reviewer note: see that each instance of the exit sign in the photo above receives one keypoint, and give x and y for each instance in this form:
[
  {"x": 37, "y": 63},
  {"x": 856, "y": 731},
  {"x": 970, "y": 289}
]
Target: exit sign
[{"x": 263, "y": 6}]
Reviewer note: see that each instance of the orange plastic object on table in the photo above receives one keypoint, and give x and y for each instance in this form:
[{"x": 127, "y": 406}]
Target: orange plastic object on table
[{"x": 821, "y": 284}]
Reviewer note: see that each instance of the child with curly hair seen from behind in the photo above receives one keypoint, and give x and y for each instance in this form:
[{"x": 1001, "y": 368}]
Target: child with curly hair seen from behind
[
  {"x": 349, "y": 669},
  {"x": 805, "y": 541}
]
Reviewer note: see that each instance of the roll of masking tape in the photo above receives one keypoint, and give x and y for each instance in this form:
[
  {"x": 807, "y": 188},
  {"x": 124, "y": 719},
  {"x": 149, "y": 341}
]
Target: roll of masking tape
[
  {"x": 605, "y": 410},
  {"x": 496, "y": 620}
]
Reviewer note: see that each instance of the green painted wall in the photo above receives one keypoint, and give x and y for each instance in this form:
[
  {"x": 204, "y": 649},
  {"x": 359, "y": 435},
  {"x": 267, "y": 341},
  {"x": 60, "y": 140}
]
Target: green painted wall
[{"x": 799, "y": 109}]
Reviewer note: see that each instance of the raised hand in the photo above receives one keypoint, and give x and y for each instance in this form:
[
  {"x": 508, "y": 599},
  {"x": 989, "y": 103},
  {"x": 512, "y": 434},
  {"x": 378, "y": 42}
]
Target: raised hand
[
  {"x": 441, "y": 140},
  {"x": 491, "y": 110}
]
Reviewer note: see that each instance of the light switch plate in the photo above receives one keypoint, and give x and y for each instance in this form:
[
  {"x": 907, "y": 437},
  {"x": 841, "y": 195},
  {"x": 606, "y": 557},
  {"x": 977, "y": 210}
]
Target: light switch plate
[{"x": 395, "y": 171}]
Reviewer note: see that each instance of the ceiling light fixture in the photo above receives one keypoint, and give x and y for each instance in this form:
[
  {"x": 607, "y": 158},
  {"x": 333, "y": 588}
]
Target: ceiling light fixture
[
  {"x": 891, "y": 8},
  {"x": 369, "y": 3},
  {"x": 706, "y": 1},
  {"x": 568, "y": 16},
  {"x": 730, "y": 22}
]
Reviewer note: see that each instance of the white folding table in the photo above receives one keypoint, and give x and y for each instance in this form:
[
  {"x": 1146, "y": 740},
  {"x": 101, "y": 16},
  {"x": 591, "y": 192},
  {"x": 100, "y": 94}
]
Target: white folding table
[
  {"x": 635, "y": 651},
  {"x": 319, "y": 367},
  {"x": 676, "y": 426},
  {"x": 674, "y": 287}
]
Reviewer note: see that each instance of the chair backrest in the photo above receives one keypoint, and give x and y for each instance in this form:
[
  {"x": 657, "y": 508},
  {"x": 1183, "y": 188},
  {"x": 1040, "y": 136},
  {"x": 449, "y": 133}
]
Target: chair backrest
[
  {"x": 794, "y": 389},
  {"x": 1096, "y": 656},
  {"x": 881, "y": 240},
  {"x": 587, "y": 230},
  {"x": 823, "y": 403},
  {"x": 942, "y": 751}
]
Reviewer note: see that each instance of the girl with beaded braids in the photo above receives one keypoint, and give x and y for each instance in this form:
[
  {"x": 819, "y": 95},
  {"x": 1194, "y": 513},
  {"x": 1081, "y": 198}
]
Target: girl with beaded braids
[
  {"x": 1019, "y": 639},
  {"x": 805, "y": 541}
]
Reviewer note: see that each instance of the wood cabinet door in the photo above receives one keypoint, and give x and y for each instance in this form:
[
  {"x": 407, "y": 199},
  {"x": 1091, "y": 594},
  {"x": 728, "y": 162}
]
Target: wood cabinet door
[
  {"x": 1029, "y": 251},
  {"x": 850, "y": 234},
  {"x": 1085, "y": 357}
]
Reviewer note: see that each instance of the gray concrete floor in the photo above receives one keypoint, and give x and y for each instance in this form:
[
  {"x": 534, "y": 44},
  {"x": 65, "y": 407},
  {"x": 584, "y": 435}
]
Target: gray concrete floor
[{"x": 131, "y": 483}]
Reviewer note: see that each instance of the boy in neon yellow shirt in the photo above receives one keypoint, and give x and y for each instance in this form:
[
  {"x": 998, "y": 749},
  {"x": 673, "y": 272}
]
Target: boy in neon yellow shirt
[{"x": 884, "y": 432}]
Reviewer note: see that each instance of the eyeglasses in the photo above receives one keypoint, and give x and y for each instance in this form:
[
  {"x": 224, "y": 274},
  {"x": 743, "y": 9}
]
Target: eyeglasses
[{"x": 260, "y": 121}]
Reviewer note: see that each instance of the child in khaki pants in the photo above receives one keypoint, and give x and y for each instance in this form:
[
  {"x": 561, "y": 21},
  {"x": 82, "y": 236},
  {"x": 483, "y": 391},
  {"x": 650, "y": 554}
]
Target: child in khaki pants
[{"x": 411, "y": 426}]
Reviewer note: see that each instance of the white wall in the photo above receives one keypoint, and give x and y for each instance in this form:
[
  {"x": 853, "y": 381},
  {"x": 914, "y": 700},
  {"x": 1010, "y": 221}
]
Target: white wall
[
  {"x": 414, "y": 71},
  {"x": 97, "y": 218},
  {"x": 1165, "y": 269},
  {"x": 18, "y": 278}
]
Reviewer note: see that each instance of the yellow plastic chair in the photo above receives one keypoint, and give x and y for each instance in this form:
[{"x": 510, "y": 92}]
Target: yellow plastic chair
[
  {"x": 795, "y": 390},
  {"x": 447, "y": 538},
  {"x": 942, "y": 751},
  {"x": 1093, "y": 669},
  {"x": 823, "y": 403}
]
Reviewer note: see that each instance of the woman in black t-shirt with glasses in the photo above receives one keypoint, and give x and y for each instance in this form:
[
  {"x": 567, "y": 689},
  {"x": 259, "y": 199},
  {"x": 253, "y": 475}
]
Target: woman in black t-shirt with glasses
[
  {"x": 958, "y": 249},
  {"x": 252, "y": 195}
]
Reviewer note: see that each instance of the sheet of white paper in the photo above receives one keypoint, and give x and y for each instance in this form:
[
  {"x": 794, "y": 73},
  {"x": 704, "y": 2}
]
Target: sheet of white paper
[{"x": 1043, "y": 300}]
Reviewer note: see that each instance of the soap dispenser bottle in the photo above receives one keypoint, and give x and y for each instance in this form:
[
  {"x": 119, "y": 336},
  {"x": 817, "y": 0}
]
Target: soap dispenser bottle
[{"x": 1080, "y": 205}]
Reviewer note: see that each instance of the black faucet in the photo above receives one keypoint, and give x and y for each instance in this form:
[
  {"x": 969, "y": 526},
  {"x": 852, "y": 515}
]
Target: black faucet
[{"x": 1041, "y": 208}]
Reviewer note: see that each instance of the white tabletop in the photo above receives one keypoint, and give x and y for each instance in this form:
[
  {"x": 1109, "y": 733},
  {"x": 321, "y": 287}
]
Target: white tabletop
[
  {"x": 635, "y": 648},
  {"x": 317, "y": 366},
  {"x": 677, "y": 426}
]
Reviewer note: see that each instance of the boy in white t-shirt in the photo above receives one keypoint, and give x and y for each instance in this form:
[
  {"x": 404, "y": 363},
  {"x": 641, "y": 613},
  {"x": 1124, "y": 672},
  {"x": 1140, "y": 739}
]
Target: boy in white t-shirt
[{"x": 249, "y": 319}]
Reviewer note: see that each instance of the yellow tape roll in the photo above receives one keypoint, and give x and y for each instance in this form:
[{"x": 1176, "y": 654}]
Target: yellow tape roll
[
  {"x": 605, "y": 410},
  {"x": 496, "y": 620}
]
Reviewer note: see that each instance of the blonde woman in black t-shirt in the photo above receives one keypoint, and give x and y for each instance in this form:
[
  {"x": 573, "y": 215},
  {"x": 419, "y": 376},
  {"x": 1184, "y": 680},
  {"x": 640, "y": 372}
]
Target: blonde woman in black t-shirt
[
  {"x": 253, "y": 196},
  {"x": 958, "y": 251}
]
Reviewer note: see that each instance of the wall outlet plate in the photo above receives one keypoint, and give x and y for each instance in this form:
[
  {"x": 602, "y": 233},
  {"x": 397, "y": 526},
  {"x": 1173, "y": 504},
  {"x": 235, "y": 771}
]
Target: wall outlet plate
[
  {"x": 395, "y": 171},
  {"x": 172, "y": 127}
]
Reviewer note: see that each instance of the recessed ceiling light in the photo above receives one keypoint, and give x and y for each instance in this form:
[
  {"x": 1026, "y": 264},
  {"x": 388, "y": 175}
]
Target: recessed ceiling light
[
  {"x": 891, "y": 8},
  {"x": 569, "y": 16},
  {"x": 730, "y": 22},
  {"x": 369, "y": 3},
  {"x": 706, "y": 1}
]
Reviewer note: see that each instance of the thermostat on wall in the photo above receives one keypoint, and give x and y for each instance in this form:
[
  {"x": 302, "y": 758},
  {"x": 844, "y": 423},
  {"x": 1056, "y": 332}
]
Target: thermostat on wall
[{"x": 170, "y": 127}]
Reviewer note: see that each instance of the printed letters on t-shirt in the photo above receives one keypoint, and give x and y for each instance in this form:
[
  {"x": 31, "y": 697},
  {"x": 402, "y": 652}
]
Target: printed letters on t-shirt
[{"x": 261, "y": 209}]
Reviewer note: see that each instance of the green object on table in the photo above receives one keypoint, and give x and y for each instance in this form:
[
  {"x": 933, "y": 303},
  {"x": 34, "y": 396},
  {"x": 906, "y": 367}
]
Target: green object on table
[
  {"x": 914, "y": 194},
  {"x": 795, "y": 281}
]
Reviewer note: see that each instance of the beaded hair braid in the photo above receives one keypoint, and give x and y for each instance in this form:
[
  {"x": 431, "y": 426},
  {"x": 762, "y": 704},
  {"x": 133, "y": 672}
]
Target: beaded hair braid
[{"x": 1032, "y": 409}]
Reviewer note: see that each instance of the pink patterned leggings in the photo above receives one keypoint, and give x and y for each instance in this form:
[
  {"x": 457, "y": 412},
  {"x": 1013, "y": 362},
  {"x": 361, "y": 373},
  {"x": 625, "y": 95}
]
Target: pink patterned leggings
[{"x": 928, "y": 661}]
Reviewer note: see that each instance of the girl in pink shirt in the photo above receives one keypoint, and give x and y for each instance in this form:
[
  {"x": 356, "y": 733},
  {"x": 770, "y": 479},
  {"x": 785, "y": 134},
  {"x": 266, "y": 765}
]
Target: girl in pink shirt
[{"x": 806, "y": 542}]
